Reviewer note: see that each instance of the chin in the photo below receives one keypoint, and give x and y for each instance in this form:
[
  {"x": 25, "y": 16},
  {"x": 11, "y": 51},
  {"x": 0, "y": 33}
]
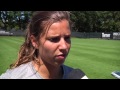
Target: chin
[{"x": 59, "y": 62}]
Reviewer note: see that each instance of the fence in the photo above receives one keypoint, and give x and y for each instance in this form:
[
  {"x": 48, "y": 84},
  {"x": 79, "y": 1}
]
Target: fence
[
  {"x": 12, "y": 33},
  {"x": 108, "y": 35}
]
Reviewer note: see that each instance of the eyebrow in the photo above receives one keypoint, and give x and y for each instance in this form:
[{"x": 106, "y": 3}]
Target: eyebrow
[{"x": 58, "y": 35}]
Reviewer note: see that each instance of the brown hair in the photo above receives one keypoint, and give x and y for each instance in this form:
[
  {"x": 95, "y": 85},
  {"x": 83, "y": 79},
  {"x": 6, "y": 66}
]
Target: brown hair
[{"x": 39, "y": 23}]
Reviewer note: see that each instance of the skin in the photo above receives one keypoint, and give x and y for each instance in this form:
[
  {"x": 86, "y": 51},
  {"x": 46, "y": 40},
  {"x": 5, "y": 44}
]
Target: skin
[{"x": 53, "y": 47}]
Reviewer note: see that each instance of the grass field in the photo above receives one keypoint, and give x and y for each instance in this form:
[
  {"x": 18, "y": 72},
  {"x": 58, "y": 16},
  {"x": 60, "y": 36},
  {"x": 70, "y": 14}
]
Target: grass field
[{"x": 96, "y": 57}]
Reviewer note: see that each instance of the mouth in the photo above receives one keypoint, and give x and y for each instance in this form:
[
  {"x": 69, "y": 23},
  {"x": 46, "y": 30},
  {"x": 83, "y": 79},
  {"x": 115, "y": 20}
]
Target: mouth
[{"x": 61, "y": 56}]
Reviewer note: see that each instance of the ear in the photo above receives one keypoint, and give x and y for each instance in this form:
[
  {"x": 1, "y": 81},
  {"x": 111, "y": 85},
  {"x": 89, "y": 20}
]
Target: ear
[{"x": 34, "y": 41}]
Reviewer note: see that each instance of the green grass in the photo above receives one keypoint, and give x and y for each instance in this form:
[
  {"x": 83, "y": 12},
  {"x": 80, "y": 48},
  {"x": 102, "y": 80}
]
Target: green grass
[
  {"x": 9, "y": 47},
  {"x": 96, "y": 57}
]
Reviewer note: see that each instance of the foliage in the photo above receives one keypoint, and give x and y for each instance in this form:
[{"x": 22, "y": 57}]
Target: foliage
[
  {"x": 96, "y": 21},
  {"x": 83, "y": 21}
]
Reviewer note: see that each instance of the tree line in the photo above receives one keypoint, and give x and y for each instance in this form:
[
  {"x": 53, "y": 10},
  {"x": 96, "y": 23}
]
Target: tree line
[
  {"x": 14, "y": 19},
  {"x": 83, "y": 21}
]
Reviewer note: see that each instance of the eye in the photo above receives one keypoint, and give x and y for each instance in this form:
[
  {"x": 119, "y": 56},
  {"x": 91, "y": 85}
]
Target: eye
[
  {"x": 54, "y": 39},
  {"x": 67, "y": 38}
]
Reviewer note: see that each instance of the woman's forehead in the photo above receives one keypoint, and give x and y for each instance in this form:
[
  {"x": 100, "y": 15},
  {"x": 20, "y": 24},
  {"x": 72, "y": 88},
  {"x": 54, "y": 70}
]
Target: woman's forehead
[{"x": 59, "y": 27}]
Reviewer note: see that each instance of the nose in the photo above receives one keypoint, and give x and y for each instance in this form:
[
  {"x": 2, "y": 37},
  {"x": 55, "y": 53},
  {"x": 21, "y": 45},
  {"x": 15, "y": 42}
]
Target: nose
[{"x": 62, "y": 44}]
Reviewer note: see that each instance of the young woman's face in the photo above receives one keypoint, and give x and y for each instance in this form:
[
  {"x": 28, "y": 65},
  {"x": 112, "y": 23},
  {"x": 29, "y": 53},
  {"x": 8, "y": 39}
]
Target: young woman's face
[{"x": 55, "y": 44}]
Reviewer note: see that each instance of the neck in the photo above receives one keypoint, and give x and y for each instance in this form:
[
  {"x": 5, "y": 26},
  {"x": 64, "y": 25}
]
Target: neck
[{"x": 48, "y": 71}]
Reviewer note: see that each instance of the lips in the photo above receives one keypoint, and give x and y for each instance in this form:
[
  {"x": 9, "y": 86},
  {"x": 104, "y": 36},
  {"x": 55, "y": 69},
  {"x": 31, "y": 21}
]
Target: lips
[{"x": 61, "y": 56}]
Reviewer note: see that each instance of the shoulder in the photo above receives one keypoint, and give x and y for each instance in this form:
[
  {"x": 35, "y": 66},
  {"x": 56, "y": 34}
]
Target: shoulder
[
  {"x": 77, "y": 74},
  {"x": 66, "y": 69},
  {"x": 16, "y": 73},
  {"x": 71, "y": 73}
]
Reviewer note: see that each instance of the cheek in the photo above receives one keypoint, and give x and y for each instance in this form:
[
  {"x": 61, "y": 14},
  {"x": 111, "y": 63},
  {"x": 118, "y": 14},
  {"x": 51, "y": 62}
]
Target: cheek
[
  {"x": 47, "y": 49},
  {"x": 68, "y": 45}
]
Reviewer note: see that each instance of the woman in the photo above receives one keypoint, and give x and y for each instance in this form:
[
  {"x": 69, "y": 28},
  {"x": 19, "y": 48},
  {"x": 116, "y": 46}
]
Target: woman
[{"x": 46, "y": 46}]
